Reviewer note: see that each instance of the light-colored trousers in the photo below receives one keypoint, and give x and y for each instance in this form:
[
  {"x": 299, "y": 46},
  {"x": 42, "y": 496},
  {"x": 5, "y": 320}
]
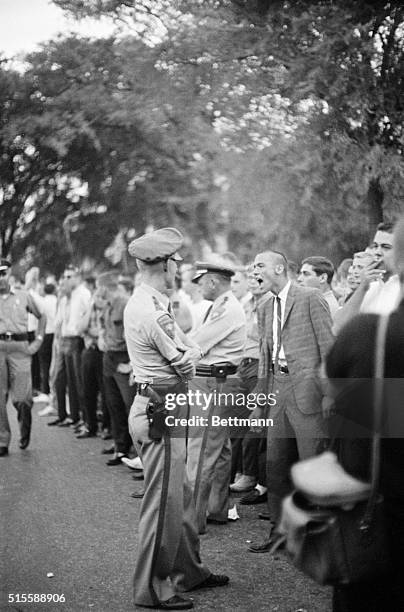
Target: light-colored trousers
[
  {"x": 168, "y": 559},
  {"x": 15, "y": 381},
  {"x": 209, "y": 449}
]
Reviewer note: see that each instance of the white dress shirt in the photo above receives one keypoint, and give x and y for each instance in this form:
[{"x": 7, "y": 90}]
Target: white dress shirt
[
  {"x": 282, "y": 295},
  {"x": 74, "y": 312}
]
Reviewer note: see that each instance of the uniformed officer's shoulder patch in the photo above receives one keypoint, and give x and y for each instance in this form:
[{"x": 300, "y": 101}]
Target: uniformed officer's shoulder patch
[
  {"x": 167, "y": 325},
  {"x": 219, "y": 310}
]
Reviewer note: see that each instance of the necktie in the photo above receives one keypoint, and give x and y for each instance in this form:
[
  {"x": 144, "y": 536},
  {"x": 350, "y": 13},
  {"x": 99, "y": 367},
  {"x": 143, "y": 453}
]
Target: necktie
[
  {"x": 207, "y": 313},
  {"x": 278, "y": 329}
]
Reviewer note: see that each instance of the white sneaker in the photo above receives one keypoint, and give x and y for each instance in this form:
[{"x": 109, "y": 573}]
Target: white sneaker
[
  {"x": 133, "y": 464},
  {"x": 243, "y": 484},
  {"x": 47, "y": 411},
  {"x": 42, "y": 397}
]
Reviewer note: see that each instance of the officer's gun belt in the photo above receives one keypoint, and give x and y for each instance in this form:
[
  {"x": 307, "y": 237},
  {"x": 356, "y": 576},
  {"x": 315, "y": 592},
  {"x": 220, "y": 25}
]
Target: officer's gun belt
[
  {"x": 156, "y": 410},
  {"x": 216, "y": 370},
  {"x": 17, "y": 337}
]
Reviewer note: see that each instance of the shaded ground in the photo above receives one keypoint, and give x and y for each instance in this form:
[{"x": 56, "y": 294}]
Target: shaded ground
[{"x": 63, "y": 511}]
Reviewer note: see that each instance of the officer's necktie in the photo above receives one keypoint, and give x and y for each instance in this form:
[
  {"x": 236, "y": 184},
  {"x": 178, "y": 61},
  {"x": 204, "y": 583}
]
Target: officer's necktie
[
  {"x": 207, "y": 313},
  {"x": 278, "y": 330}
]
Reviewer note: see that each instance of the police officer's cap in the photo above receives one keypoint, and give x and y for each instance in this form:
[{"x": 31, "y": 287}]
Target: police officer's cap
[
  {"x": 204, "y": 267},
  {"x": 157, "y": 246},
  {"x": 4, "y": 264}
]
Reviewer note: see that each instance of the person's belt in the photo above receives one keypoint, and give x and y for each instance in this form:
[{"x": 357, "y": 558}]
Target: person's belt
[
  {"x": 18, "y": 337},
  {"x": 281, "y": 368},
  {"x": 158, "y": 391},
  {"x": 216, "y": 370}
]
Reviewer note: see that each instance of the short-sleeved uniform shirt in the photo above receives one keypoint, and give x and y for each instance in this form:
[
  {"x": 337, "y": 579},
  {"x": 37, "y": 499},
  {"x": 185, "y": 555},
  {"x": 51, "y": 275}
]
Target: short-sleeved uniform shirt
[
  {"x": 14, "y": 308},
  {"x": 151, "y": 336},
  {"x": 222, "y": 336}
]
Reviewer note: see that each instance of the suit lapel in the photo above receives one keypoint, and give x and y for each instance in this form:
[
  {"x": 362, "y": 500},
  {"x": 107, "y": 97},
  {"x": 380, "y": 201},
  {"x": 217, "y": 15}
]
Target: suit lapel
[{"x": 289, "y": 303}]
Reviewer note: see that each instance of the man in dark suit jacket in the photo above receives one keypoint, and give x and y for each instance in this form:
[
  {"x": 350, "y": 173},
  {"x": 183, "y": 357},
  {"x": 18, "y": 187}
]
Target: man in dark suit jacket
[
  {"x": 296, "y": 335},
  {"x": 352, "y": 358}
]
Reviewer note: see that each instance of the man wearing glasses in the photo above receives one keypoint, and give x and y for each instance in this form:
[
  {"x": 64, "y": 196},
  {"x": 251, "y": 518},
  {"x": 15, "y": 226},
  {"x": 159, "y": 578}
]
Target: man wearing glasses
[{"x": 15, "y": 356}]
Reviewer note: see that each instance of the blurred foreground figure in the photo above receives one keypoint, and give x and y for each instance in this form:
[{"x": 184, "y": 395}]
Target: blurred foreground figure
[
  {"x": 15, "y": 355},
  {"x": 162, "y": 360},
  {"x": 352, "y": 357}
]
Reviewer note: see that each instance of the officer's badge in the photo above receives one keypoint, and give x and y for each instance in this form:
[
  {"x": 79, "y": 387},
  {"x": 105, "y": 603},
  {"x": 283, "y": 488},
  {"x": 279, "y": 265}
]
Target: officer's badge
[{"x": 167, "y": 325}]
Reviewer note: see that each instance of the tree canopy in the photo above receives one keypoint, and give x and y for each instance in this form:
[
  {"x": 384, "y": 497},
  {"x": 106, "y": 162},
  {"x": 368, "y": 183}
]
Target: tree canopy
[{"x": 242, "y": 122}]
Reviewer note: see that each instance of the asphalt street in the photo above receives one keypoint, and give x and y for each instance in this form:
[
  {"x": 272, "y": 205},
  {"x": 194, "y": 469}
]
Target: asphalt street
[{"x": 68, "y": 526}]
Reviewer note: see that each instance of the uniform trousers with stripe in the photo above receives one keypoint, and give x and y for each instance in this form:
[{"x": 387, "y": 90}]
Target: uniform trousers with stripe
[
  {"x": 209, "y": 448},
  {"x": 168, "y": 552},
  {"x": 15, "y": 380}
]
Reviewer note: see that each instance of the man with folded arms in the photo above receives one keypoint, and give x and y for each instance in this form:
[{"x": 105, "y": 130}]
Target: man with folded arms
[{"x": 162, "y": 359}]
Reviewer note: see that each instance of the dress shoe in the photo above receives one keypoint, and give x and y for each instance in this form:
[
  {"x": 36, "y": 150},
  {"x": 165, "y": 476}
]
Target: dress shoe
[
  {"x": 24, "y": 442},
  {"x": 214, "y": 580},
  {"x": 275, "y": 542},
  {"x": 137, "y": 494},
  {"x": 55, "y": 422},
  {"x": 174, "y": 603},
  {"x": 116, "y": 460},
  {"x": 78, "y": 426},
  {"x": 264, "y": 516},
  {"x": 86, "y": 434},
  {"x": 254, "y": 497},
  {"x": 214, "y": 521},
  {"x": 243, "y": 484},
  {"x": 3, "y": 451},
  {"x": 138, "y": 476},
  {"x": 133, "y": 464},
  {"x": 47, "y": 411},
  {"x": 66, "y": 422}
]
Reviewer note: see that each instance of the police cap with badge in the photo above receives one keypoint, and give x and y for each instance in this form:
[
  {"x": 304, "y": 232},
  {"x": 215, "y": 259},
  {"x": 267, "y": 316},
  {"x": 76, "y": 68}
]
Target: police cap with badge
[
  {"x": 204, "y": 267},
  {"x": 157, "y": 246}
]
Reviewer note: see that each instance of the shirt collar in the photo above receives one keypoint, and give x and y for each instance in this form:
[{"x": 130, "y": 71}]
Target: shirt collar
[
  {"x": 163, "y": 299},
  {"x": 284, "y": 293}
]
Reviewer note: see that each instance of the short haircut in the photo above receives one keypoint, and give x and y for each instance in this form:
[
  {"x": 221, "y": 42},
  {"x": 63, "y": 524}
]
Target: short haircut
[
  {"x": 49, "y": 289},
  {"x": 281, "y": 258},
  {"x": 385, "y": 227},
  {"x": 320, "y": 265}
]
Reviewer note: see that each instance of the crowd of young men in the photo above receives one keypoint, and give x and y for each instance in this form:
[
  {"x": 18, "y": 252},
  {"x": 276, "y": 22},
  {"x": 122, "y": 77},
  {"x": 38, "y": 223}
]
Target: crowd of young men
[{"x": 116, "y": 351}]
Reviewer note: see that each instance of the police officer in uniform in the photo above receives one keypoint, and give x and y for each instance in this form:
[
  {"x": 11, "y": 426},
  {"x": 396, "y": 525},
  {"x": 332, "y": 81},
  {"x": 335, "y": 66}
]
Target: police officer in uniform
[
  {"x": 221, "y": 339},
  {"x": 162, "y": 360},
  {"x": 15, "y": 356}
]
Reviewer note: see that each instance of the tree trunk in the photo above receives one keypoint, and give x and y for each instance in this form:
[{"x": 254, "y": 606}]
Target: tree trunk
[{"x": 374, "y": 200}]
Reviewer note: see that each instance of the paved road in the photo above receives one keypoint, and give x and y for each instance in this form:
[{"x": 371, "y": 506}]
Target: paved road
[{"x": 64, "y": 512}]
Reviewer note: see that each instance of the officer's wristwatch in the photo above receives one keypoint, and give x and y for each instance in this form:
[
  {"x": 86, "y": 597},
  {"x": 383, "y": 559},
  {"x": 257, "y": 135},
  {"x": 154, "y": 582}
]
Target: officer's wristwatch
[{"x": 39, "y": 337}]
